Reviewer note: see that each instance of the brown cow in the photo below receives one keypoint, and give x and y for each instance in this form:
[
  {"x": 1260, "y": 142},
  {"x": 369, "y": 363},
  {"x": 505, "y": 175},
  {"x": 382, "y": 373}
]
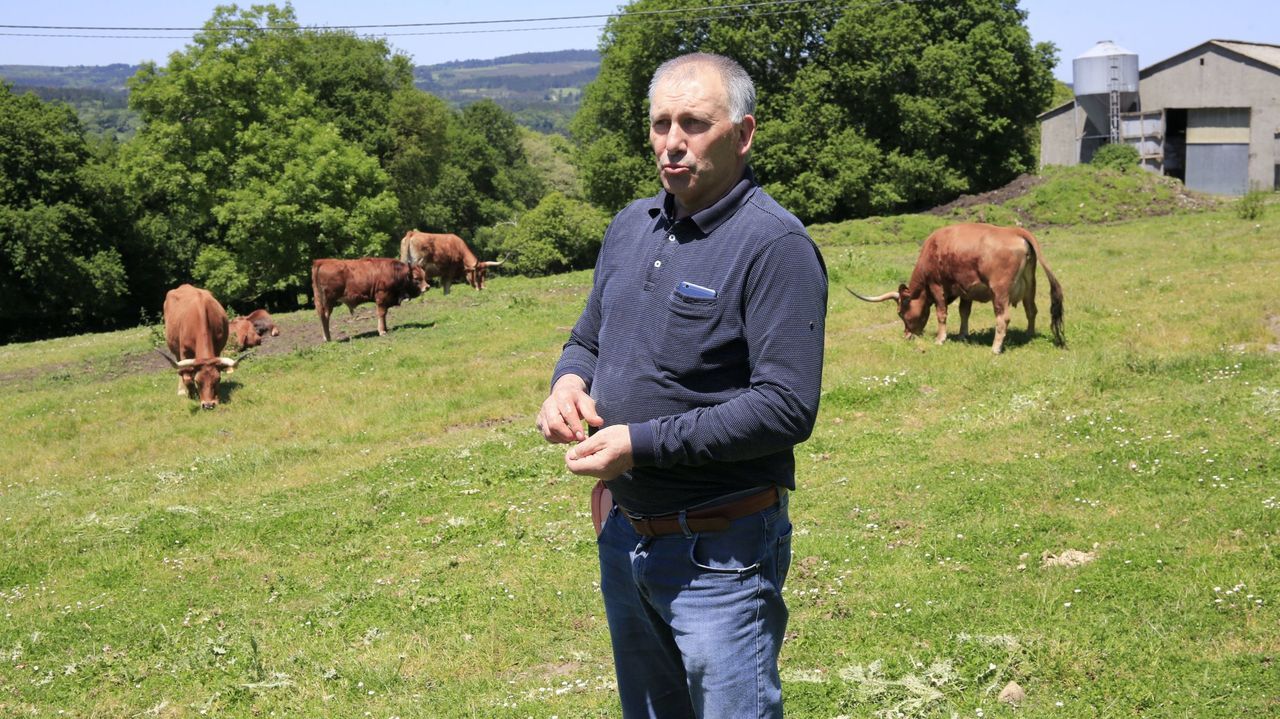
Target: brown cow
[
  {"x": 195, "y": 329},
  {"x": 248, "y": 331},
  {"x": 263, "y": 323},
  {"x": 976, "y": 263},
  {"x": 444, "y": 256},
  {"x": 243, "y": 333},
  {"x": 383, "y": 281}
]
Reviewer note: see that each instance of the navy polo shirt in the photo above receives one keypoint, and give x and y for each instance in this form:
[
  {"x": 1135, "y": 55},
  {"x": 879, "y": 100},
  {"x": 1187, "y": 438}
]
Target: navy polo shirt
[{"x": 715, "y": 390}]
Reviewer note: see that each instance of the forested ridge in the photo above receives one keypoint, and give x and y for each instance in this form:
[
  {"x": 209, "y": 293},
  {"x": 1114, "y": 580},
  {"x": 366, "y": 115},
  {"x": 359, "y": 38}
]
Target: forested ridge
[
  {"x": 255, "y": 151},
  {"x": 541, "y": 89}
]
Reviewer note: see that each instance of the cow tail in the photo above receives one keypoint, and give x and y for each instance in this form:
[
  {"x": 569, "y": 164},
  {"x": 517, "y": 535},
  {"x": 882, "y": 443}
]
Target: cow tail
[
  {"x": 1055, "y": 293},
  {"x": 316, "y": 294},
  {"x": 404, "y": 247}
]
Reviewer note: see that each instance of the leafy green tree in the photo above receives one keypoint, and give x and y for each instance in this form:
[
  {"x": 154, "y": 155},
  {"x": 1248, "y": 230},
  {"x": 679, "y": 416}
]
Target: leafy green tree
[
  {"x": 300, "y": 192},
  {"x": 864, "y": 108},
  {"x": 482, "y": 176},
  {"x": 260, "y": 150},
  {"x": 550, "y": 156},
  {"x": 420, "y": 150},
  {"x": 559, "y": 234},
  {"x": 57, "y": 271}
]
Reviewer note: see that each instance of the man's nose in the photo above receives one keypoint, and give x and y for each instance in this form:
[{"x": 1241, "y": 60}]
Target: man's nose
[{"x": 675, "y": 140}]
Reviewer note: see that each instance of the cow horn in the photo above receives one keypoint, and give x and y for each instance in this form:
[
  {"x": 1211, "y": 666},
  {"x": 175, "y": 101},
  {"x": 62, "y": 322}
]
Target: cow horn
[
  {"x": 492, "y": 263},
  {"x": 878, "y": 298},
  {"x": 184, "y": 364}
]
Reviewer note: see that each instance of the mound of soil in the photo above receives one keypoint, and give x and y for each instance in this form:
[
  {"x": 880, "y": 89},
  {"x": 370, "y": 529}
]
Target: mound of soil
[
  {"x": 1183, "y": 199},
  {"x": 1020, "y": 186}
]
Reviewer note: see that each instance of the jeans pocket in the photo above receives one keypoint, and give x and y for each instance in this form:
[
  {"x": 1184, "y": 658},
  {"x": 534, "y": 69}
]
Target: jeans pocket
[
  {"x": 782, "y": 554},
  {"x": 737, "y": 551}
]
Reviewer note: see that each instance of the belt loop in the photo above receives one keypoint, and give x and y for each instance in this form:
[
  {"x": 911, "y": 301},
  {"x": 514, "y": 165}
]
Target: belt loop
[{"x": 683, "y": 519}]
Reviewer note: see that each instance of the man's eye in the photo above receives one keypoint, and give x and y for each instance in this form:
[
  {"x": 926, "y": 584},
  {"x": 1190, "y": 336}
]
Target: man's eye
[{"x": 661, "y": 126}]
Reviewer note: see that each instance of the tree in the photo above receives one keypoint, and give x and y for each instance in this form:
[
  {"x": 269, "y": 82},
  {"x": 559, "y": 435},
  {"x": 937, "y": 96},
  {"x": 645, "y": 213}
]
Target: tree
[
  {"x": 57, "y": 271},
  {"x": 550, "y": 157},
  {"x": 559, "y": 234},
  {"x": 260, "y": 150},
  {"x": 419, "y": 130},
  {"x": 478, "y": 176},
  {"x": 300, "y": 192},
  {"x": 863, "y": 108}
]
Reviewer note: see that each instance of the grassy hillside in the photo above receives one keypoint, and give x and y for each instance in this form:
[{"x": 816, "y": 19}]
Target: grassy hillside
[{"x": 372, "y": 527}]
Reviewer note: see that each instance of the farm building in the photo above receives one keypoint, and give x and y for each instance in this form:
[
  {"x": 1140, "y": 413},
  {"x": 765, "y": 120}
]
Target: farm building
[{"x": 1209, "y": 116}]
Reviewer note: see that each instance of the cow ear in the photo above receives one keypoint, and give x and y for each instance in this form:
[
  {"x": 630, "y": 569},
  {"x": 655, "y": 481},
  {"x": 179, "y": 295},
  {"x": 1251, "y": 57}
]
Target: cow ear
[{"x": 902, "y": 288}]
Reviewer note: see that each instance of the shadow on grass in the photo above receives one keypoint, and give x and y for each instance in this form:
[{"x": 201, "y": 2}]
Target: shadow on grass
[
  {"x": 1013, "y": 338},
  {"x": 391, "y": 330}
]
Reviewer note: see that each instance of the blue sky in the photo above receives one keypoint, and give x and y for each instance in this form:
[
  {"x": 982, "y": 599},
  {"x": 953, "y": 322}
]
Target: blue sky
[{"x": 1155, "y": 29}]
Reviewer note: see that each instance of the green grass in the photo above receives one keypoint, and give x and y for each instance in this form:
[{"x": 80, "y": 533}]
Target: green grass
[{"x": 373, "y": 528}]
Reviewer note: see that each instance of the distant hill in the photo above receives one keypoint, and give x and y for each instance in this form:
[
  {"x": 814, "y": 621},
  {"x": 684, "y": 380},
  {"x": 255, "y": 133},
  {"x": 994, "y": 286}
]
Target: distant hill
[
  {"x": 97, "y": 92},
  {"x": 542, "y": 89},
  {"x": 96, "y": 77}
]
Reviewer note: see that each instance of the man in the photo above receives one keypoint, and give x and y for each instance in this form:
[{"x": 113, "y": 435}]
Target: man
[{"x": 697, "y": 364}]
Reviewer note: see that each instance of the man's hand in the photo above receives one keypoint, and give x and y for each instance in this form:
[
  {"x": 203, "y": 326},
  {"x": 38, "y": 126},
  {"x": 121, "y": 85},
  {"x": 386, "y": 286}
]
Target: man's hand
[
  {"x": 563, "y": 412},
  {"x": 604, "y": 455}
]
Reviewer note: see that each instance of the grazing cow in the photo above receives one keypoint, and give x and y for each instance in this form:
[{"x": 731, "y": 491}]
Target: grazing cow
[
  {"x": 195, "y": 329},
  {"x": 444, "y": 256},
  {"x": 383, "y": 281},
  {"x": 243, "y": 334},
  {"x": 263, "y": 323},
  {"x": 975, "y": 263}
]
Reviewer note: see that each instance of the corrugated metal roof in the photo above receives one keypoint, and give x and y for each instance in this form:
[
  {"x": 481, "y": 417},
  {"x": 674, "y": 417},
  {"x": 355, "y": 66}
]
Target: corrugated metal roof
[{"x": 1268, "y": 54}]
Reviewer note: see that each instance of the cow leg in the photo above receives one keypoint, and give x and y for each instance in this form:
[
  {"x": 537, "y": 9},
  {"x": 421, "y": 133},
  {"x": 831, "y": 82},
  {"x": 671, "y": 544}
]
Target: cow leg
[
  {"x": 1029, "y": 304},
  {"x": 445, "y": 284},
  {"x": 966, "y": 305},
  {"x": 324, "y": 320},
  {"x": 940, "y": 300},
  {"x": 182, "y": 387},
  {"x": 1002, "y": 322},
  {"x": 382, "y": 320}
]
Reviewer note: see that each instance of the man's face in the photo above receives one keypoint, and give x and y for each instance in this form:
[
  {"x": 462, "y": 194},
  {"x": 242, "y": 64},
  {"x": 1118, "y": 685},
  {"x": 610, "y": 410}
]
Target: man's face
[{"x": 700, "y": 153}]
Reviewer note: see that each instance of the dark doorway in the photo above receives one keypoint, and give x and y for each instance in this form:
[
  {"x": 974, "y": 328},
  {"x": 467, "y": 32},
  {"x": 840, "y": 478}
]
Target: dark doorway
[{"x": 1175, "y": 143}]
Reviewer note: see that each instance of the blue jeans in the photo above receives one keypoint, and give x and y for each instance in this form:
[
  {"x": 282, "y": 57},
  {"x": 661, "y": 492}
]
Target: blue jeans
[{"x": 697, "y": 621}]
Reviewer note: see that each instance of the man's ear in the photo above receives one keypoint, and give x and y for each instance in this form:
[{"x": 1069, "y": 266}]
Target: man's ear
[{"x": 747, "y": 133}]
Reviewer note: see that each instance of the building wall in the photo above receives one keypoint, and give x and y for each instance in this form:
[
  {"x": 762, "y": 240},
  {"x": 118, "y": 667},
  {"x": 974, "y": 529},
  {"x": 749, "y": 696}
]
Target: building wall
[
  {"x": 1058, "y": 138},
  {"x": 1212, "y": 78}
]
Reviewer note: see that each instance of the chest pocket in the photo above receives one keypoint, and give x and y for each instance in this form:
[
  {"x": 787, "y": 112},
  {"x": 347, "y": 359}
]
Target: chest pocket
[{"x": 697, "y": 339}]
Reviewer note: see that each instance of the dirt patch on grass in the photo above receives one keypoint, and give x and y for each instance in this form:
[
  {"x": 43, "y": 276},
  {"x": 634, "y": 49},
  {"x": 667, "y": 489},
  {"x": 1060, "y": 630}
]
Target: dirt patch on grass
[
  {"x": 1021, "y": 185},
  {"x": 1273, "y": 324},
  {"x": 298, "y": 330}
]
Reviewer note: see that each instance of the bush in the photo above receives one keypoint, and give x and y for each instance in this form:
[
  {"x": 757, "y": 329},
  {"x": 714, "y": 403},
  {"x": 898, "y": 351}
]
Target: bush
[
  {"x": 1250, "y": 206},
  {"x": 559, "y": 234},
  {"x": 1117, "y": 157}
]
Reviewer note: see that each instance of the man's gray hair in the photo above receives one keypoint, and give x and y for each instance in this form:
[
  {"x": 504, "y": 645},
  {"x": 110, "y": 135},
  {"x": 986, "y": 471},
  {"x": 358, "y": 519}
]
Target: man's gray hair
[{"x": 737, "y": 83}]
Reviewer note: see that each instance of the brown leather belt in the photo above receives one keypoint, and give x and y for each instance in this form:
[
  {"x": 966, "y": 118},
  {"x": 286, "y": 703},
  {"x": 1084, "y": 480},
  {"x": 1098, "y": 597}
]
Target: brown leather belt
[{"x": 711, "y": 519}]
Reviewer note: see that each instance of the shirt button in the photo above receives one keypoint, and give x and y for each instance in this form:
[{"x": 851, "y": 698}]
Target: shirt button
[{"x": 657, "y": 263}]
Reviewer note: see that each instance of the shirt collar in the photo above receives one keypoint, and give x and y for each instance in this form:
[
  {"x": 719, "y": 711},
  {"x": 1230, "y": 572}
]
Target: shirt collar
[{"x": 708, "y": 218}]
